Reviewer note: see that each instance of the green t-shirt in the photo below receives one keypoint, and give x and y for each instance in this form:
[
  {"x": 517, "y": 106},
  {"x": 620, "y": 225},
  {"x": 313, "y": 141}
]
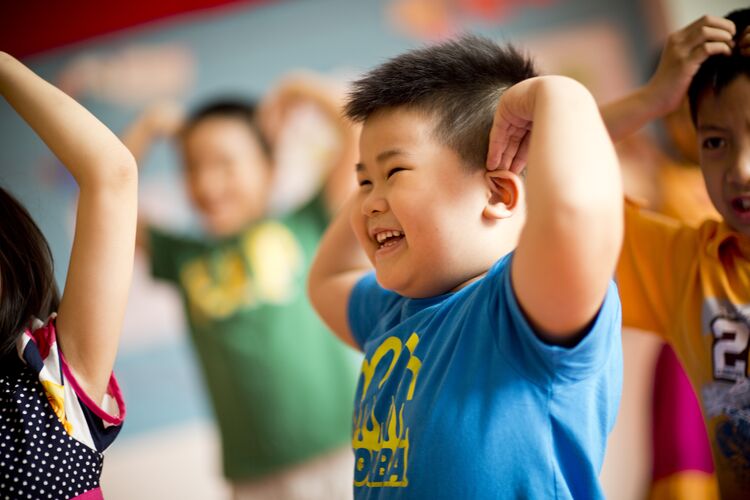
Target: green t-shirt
[{"x": 281, "y": 384}]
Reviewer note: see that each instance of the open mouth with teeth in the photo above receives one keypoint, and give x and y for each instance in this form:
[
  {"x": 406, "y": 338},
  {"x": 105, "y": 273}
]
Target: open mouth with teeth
[{"x": 387, "y": 239}]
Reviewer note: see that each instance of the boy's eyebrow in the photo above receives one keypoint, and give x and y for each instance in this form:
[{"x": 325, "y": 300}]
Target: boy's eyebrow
[
  {"x": 711, "y": 128},
  {"x": 385, "y": 155}
]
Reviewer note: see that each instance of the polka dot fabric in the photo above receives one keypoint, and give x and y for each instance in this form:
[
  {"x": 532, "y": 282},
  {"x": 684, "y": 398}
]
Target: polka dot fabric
[
  {"x": 38, "y": 458},
  {"x": 52, "y": 435}
]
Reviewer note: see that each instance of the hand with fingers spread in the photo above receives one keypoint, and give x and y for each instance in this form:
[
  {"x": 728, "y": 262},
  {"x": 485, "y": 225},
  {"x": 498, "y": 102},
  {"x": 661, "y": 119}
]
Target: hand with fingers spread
[
  {"x": 684, "y": 52},
  {"x": 511, "y": 128}
]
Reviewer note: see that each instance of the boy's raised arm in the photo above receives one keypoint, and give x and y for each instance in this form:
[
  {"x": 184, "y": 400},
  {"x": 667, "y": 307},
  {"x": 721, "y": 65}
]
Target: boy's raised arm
[
  {"x": 568, "y": 249},
  {"x": 684, "y": 52},
  {"x": 328, "y": 96},
  {"x": 160, "y": 120},
  {"x": 338, "y": 265}
]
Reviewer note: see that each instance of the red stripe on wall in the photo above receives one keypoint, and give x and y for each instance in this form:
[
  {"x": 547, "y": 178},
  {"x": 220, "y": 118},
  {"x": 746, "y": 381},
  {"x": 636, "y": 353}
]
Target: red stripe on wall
[{"x": 33, "y": 26}]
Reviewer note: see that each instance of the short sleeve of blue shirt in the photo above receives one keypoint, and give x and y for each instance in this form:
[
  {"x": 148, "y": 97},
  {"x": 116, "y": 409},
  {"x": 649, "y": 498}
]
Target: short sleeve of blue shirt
[{"x": 542, "y": 361}]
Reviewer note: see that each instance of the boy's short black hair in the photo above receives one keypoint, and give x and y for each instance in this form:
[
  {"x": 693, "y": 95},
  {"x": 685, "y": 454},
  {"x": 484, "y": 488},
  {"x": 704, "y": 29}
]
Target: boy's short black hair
[
  {"x": 27, "y": 280},
  {"x": 720, "y": 70},
  {"x": 243, "y": 110},
  {"x": 457, "y": 82}
]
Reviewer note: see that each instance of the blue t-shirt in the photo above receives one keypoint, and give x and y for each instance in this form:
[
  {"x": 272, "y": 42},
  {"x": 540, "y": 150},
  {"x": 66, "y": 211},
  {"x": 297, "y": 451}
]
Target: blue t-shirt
[{"x": 459, "y": 398}]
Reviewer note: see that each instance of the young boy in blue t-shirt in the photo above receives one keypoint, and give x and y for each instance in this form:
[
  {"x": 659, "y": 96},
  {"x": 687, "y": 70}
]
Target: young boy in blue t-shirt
[{"x": 491, "y": 326}]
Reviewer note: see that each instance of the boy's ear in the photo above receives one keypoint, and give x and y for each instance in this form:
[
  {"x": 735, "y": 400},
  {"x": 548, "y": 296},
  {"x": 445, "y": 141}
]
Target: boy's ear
[{"x": 505, "y": 191}]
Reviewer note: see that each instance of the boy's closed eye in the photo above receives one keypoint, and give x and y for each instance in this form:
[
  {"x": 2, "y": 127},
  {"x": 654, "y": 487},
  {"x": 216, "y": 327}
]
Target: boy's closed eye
[
  {"x": 393, "y": 171},
  {"x": 363, "y": 182}
]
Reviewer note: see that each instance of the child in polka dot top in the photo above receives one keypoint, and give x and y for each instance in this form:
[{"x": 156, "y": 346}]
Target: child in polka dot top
[{"x": 60, "y": 406}]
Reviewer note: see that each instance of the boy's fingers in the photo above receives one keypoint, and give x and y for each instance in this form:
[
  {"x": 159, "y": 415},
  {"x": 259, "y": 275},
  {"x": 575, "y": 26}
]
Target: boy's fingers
[
  {"x": 519, "y": 162},
  {"x": 495, "y": 149},
  {"x": 712, "y": 22},
  {"x": 515, "y": 141},
  {"x": 493, "y": 158},
  {"x": 706, "y": 50},
  {"x": 710, "y": 34}
]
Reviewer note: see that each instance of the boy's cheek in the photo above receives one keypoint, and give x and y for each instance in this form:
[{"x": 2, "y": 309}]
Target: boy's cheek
[
  {"x": 359, "y": 228},
  {"x": 365, "y": 244}
]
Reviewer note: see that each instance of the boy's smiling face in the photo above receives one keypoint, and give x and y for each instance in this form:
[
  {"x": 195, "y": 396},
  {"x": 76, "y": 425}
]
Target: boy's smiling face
[
  {"x": 723, "y": 124},
  {"x": 419, "y": 211},
  {"x": 227, "y": 174}
]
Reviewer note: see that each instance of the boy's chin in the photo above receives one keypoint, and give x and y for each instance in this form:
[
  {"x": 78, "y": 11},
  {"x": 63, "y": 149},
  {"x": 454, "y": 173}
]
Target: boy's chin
[
  {"x": 417, "y": 290},
  {"x": 400, "y": 286},
  {"x": 220, "y": 228}
]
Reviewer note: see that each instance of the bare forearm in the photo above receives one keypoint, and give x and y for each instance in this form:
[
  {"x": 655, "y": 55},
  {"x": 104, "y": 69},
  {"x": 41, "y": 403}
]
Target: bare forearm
[
  {"x": 339, "y": 251},
  {"x": 92, "y": 153},
  {"x": 138, "y": 138},
  {"x": 162, "y": 119},
  {"x": 627, "y": 115},
  {"x": 341, "y": 181},
  {"x": 328, "y": 97},
  {"x": 338, "y": 265}
]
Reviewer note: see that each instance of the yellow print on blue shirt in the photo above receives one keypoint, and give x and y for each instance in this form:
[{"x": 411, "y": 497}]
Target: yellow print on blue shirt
[
  {"x": 381, "y": 448},
  {"x": 263, "y": 268}
]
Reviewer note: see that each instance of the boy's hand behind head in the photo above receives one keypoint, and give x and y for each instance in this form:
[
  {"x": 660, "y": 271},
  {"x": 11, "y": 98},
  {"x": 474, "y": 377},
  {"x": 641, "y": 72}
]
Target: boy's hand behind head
[
  {"x": 164, "y": 119},
  {"x": 292, "y": 91},
  {"x": 511, "y": 128},
  {"x": 683, "y": 54}
]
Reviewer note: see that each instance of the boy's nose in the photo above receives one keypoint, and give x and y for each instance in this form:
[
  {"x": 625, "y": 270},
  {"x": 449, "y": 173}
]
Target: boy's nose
[
  {"x": 374, "y": 203},
  {"x": 741, "y": 167}
]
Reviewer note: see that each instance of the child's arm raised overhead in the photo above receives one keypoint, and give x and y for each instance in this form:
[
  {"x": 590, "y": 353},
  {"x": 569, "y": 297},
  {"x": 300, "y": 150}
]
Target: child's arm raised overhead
[
  {"x": 96, "y": 290},
  {"x": 568, "y": 248},
  {"x": 328, "y": 96},
  {"x": 684, "y": 52},
  {"x": 160, "y": 120},
  {"x": 338, "y": 265}
]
